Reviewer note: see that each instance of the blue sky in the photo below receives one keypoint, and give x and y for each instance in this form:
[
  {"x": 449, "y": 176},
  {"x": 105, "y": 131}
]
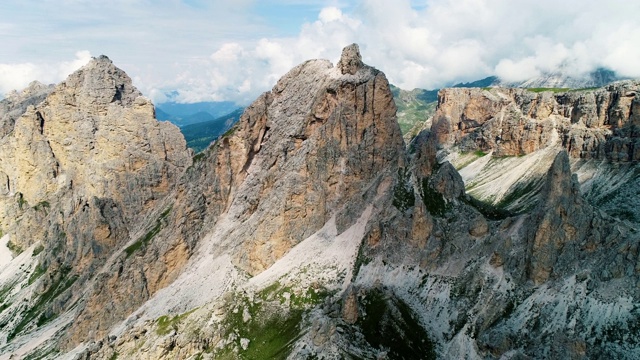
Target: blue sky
[{"x": 233, "y": 50}]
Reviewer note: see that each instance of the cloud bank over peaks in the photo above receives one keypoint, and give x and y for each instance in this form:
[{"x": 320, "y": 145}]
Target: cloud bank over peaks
[
  {"x": 241, "y": 71},
  {"x": 439, "y": 44},
  {"x": 18, "y": 76},
  {"x": 429, "y": 44}
]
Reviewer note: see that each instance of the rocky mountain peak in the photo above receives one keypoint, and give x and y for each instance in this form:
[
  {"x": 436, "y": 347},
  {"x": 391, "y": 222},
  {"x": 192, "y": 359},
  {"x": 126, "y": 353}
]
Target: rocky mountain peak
[
  {"x": 16, "y": 103},
  {"x": 351, "y": 60},
  {"x": 561, "y": 185},
  {"x": 34, "y": 88},
  {"x": 306, "y": 231},
  {"x": 98, "y": 84}
]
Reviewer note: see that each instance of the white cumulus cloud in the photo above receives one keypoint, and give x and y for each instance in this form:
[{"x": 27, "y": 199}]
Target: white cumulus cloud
[
  {"x": 18, "y": 76},
  {"x": 231, "y": 52}
]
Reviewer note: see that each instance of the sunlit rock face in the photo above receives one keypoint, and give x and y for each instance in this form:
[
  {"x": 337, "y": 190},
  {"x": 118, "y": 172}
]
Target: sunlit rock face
[{"x": 309, "y": 230}]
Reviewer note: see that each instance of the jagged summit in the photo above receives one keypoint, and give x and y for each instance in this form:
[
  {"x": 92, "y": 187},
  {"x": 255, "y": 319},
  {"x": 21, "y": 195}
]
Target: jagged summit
[
  {"x": 98, "y": 84},
  {"x": 351, "y": 60},
  {"x": 306, "y": 231},
  {"x": 16, "y": 103}
]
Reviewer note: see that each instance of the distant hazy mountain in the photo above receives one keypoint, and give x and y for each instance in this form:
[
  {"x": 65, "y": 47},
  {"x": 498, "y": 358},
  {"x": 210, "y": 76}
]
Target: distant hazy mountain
[
  {"x": 201, "y": 134},
  {"x": 186, "y": 114},
  {"x": 161, "y": 115},
  {"x": 598, "y": 78},
  {"x": 486, "y": 82}
]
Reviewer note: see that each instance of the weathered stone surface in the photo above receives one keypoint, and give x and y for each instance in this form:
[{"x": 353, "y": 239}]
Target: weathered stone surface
[
  {"x": 351, "y": 60},
  {"x": 315, "y": 167},
  {"x": 561, "y": 218},
  {"x": 16, "y": 103},
  {"x": 350, "y": 306},
  {"x": 590, "y": 124},
  {"x": 298, "y": 154},
  {"x": 81, "y": 171}
]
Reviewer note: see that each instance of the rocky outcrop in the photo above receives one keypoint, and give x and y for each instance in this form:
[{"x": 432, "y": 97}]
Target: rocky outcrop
[
  {"x": 590, "y": 124},
  {"x": 81, "y": 170},
  {"x": 16, "y": 103},
  {"x": 300, "y": 155},
  {"x": 561, "y": 218},
  {"x": 309, "y": 231}
]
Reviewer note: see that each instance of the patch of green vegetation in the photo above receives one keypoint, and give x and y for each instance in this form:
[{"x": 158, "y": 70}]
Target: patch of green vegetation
[
  {"x": 298, "y": 300},
  {"x": 3, "y": 307},
  {"x": 15, "y": 248},
  {"x": 165, "y": 323},
  {"x": 199, "y": 156},
  {"x": 390, "y": 323},
  {"x": 3, "y": 303},
  {"x": 479, "y": 153},
  {"x": 5, "y": 291},
  {"x": 584, "y": 89},
  {"x": 40, "y": 354},
  {"x": 37, "y": 250},
  {"x": 554, "y": 90},
  {"x": 37, "y": 272},
  {"x": 42, "y": 205},
  {"x": 310, "y": 297},
  {"x": 267, "y": 292},
  {"x": 114, "y": 356},
  {"x": 229, "y": 132},
  {"x": 403, "y": 196},
  {"x": 518, "y": 193},
  {"x": 270, "y": 333},
  {"x": 166, "y": 213},
  {"x": 488, "y": 210},
  {"x": 272, "y": 338},
  {"x": 361, "y": 259},
  {"x": 433, "y": 200},
  {"x": 21, "y": 201},
  {"x": 62, "y": 283},
  {"x": 144, "y": 240}
]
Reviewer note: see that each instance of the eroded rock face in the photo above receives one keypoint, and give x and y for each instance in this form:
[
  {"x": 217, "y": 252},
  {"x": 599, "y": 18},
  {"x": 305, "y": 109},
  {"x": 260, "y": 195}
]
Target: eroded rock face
[
  {"x": 93, "y": 136},
  {"x": 590, "y": 124},
  {"x": 316, "y": 140},
  {"x": 16, "y": 103},
  {"x": 214, "y": 263},
  {"x": 562, "y": 217},
  {"x": 80, "y": 172},
  {"x": 300, "y": 154}
]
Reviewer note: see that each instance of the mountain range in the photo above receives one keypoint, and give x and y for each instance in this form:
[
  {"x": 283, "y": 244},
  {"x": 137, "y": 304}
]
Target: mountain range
[
  {"x": 507, "y": 228},
  {"x": 182, "y": 114}
]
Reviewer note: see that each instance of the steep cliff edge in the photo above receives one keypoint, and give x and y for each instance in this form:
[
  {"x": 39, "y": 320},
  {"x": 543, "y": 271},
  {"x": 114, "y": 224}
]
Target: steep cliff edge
[
  {"x": 80, "y": 171},
  {"x": 404, "y": 263},
  {"x": 522, "y": 130},
  {"x": 309, "y": 231},
  {"x": 590, "y": 124}
]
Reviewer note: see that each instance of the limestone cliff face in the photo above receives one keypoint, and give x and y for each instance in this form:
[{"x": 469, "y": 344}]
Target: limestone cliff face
[
  {"x": 300, "y": 154},
  {"x": 94, "y": 136},
  {"x": 16, "y": 103},
  {"x": 590, "y": 124},
  {"x": 80, "y": 170},
  {"x": 308, "y": 231}
]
